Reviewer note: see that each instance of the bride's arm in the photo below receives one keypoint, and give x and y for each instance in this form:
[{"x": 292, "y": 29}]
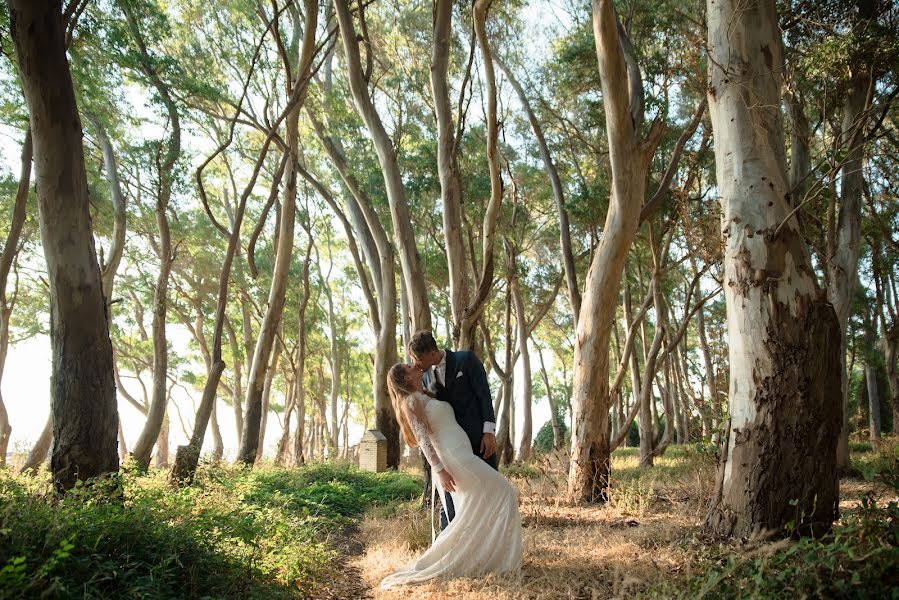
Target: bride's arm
[{"x": 419, "y": 424}]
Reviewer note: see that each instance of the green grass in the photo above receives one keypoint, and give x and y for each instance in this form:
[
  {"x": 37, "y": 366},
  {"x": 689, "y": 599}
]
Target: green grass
[
  {"x": 676, "y": 463},
  {"x": 235, "y": 533}
]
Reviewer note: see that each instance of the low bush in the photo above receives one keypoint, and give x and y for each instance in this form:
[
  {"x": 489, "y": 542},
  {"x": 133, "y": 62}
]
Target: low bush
[{"x": 235, "y": 533}]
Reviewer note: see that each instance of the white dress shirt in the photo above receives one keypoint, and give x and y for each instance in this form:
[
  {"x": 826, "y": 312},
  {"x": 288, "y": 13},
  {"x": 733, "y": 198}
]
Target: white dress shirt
[{"x": 438, "y": 374}]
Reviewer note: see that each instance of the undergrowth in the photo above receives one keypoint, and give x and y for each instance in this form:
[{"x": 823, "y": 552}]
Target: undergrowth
[
  {"x": 236, "y": 533},
  {"x": 858, "y": 559}
]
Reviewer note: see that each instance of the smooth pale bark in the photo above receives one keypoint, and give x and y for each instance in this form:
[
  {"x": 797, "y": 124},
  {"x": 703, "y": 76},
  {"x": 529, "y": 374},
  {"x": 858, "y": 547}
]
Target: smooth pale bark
[
  {"x": 710, "y": 419},
  {"x": 282, "y": 454},
  {"x": 8, "y": 257},
  {"x": 218, "y": 444},
  {"x": 119, "y": 203},
  {"x": 156, "y": 413},
  {"x": 574, "y": 294},
  {"x": 299, "y": 372},
  {"x": 162, "y": 442},
  {"x": 249, "y": 439},
  {"x": 266, "y": 399},
  {"x": 481, "y": 296},
  {"x": 629, "y": 157},
  {"x": 403, "y": 231},
  {"x": 843, "y": 263},
  {"x": 83, "y": 401},
  {"x": 448, "y": 166},
  {"x": 778, "y": 459},
  {"x": 380, "y": 257},
  {"x": 524, "y": 448},
  {"x": 335, "y": 362},
  {"x": 237, "y": 371},
  {"x": 558, "y": 438}
]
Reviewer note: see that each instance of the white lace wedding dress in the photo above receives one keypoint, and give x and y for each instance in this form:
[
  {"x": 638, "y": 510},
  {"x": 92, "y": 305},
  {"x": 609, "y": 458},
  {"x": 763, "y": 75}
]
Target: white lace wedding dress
[{"x": 485, "y": 535}]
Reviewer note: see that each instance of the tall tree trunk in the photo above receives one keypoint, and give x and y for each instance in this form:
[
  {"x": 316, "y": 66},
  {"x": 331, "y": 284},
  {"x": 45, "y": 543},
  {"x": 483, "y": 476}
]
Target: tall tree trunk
[
  {"x": 873, "y": 402},
  {"x": 10, "y": 253},
  {"x": 629, "y": 155},
  {"x": 474, "y": 310},
  {"x": 710, "y": 379},
  {"x": 524, "y": 447},
  {"x": 156, "y": 413},
  {"x": 558, "y": 438},
  {"x": 843, "y": 262},
  {"x": 83, "y": 403},
  {"x": 237, "y": 369},
  {"x": 266, "y": 399},
  {"x": 403, "y": 232},
  {"x": 447, "y": 164},
  {"x": 249, "y": 439},
  {"x": 778, "y": 460},
  {"x": 299, "y": 373},
  {"x": 574, "y": 294},
  {"x": 282, "y": 454},
  {"x": 162, "y": 443},
  {"x": 504, "y": 447},
  {"x": 110, "y": 166},
  {"x": 218, "y": 444}
]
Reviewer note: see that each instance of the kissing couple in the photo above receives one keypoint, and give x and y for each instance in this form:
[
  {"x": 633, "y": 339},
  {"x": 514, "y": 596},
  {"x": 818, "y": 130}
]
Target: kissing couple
[{"x": 443, "y": 405}]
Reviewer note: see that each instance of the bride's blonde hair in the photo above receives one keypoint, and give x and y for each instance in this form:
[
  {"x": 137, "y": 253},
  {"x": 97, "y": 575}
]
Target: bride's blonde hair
[{"x": 399, "y": 388}]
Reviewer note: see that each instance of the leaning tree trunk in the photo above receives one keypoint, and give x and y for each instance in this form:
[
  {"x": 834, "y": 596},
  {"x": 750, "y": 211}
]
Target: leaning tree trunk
[
  {"x": 629, "y": 155},
  {"x": 403, "y": 230},
  {"x": 565, "y": 246},
  {"x": 447, "y": 163},
  {"x": 83, "y": 402},
  {"x": 10, "y": 252},
  {"x": 379, "y": 255},
  {"x": 778, "y": 459},
  {"x": 249, "y": 439},
  {"x": 843, "y": 262},
  {"x": 156, "y": 413}
]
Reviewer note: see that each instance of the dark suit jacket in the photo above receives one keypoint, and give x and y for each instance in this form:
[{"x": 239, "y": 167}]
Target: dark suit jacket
[{"x": 467, "y": 391}]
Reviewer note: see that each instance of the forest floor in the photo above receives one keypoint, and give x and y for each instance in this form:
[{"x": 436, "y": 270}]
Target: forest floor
[{"x": 645, "y": 542}]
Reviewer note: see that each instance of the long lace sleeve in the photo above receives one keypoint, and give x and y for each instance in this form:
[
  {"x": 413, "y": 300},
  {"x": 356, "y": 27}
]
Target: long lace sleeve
[{"x": 418, "y": 422}]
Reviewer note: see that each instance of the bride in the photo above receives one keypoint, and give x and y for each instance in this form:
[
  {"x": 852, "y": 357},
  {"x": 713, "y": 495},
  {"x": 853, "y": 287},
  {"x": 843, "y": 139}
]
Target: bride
[{"x": 485, "y": 535}]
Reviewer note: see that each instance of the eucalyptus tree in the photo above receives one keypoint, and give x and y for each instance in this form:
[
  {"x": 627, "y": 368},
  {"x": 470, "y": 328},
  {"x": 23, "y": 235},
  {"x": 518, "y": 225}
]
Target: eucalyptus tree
[
  {"x": 359, "y": 79},
  {"x": 166, "y": 159},
  {"x": 630, "y": 157},
  {"x": 778, "y": 458},
  {"x": 297, "y": 57},
  {"x": 83, "y": 402}
]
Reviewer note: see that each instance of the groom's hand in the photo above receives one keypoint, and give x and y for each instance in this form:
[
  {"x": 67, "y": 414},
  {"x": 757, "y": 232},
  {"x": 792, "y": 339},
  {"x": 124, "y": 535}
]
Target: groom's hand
[{"x": 488, "y": 445}]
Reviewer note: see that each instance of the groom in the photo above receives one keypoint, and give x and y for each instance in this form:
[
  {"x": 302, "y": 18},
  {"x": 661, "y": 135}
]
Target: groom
[{"x": 458, "y": 378}]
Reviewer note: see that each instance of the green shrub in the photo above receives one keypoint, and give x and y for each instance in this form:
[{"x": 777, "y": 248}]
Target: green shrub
[{"x": 234, "y": 534}]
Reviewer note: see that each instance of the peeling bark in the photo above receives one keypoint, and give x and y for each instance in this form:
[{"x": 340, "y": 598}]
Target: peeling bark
[{"x": 778, "y": 465}]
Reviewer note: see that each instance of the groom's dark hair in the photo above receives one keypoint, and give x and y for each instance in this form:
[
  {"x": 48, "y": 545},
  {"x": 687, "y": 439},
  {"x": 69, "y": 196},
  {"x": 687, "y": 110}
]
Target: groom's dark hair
[{"x": 422, "y": 343}]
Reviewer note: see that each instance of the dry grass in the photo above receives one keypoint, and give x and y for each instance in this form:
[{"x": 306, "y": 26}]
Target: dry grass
[
  {"x": 570, "y": 551},
  {"x": 647, "y": 535}
]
